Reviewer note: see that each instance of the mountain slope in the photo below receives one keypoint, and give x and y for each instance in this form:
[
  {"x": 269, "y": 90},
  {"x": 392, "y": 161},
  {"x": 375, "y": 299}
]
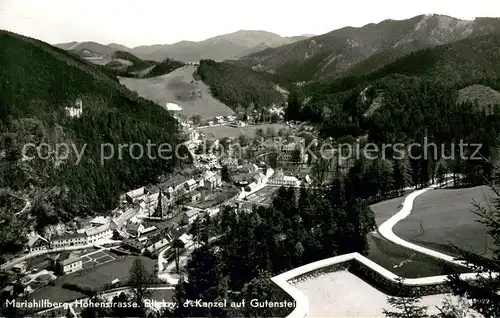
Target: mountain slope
[
  {"x": 452, "y": 68},
  {"x": 336, "y": 52},
  {"x": 240, "y": 87},
  {"x": 484, "y": 96},
  {"x": 218, "y": 48},
  {"x": 465, "y": 60},
  {"x": 89, "y": 49},
  {"x": 37, "y": 82}
]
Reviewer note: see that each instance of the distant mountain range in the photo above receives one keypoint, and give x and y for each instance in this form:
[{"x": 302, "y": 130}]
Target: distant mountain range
[
  {"x": 222, "y": 47},
  {"x": 353, "y": 51}
]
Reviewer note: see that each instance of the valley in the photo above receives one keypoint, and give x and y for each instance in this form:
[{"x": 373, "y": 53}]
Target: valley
[
  {"x": 334, "y": 172},
  {"x": 179, "y": 87}
]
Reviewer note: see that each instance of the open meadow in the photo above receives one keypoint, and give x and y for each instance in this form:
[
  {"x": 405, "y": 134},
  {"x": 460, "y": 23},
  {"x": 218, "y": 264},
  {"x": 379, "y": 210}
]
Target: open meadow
[
  {"x": 181, "y": 88},
  {"x": 95, "y": 278},
  {"x": 444, "y": 217}
]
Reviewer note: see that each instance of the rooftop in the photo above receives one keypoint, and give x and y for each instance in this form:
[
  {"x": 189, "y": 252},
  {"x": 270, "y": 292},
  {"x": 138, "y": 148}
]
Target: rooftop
[
  {"x": 68, "y": 236},
  {"x": 70, "y": 259}
]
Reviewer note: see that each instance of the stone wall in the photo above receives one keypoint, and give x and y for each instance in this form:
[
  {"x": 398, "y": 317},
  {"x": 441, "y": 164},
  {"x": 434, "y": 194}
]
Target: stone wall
[{"x": 364, "y": 268}]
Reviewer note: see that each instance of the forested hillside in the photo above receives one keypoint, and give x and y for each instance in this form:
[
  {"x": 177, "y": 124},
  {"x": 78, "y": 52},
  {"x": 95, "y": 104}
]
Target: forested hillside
[
  {"x": 137, "y": 63},
  {"x": 240, "y": 87},
  {"x": 353, "y": 50},
  {"x": 165, "y": 67},
  {"x": 37, "y": 82}
]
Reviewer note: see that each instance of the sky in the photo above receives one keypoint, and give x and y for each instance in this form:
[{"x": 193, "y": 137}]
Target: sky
[{"x": 146, "y": 22}]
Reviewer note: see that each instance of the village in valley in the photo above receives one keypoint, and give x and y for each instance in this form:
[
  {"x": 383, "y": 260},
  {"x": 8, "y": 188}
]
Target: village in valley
[{"x": 239, "y": 171}]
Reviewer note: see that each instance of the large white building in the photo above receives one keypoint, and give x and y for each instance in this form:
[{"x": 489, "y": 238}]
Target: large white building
[
  {"x": 69, "y": 263},
  {"x": 99, "y": 233},
  {"x": 280, "y": 180},
  {"x": 136, "y": 195},
  {"x": 68, "y": 240},
  {"x": 211, "y": 180},
  {"x": 75, "y": 111}
]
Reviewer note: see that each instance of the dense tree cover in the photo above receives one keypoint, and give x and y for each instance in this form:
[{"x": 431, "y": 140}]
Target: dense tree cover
[
  {"x": 484, "y": 292},
  {"x": 138, "y": 64},
  {"x": 301, "y": 226},
  {"x": 164, "y": 67},
  {"x": 37, "y": 82},
  {"x": 406, "y": 110},
  {"x": 240, "y": 87}
]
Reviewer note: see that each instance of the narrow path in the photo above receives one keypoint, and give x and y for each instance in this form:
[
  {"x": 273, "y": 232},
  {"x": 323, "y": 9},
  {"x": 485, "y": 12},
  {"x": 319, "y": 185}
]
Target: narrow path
[{"x": 385, "y": 229}]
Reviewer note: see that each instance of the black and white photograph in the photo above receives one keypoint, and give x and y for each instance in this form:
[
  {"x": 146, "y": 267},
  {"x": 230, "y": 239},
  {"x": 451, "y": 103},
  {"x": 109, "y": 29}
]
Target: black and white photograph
[{"x": 250, "y": 159}]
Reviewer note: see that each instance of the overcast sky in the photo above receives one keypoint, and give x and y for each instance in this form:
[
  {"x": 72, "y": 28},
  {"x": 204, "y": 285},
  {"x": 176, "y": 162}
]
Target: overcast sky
[{"x": 144, "y": 22}]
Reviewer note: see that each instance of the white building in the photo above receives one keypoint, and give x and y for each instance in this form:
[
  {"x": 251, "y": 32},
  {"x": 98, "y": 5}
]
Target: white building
[
  {"x": 75, "y": 111},
  {"x": 99, "y": 233},
  {"x": 211, "y": 180},
  {"x": 220, "y": 119},
  {"x": 190, "y": 216},
  {"x": 135, "y": 229},
  {"x": 36, "y": 243},
  {"x": 68, "y": 240},
  {"x": 191, "y": 185},
  {"x": 136, "y": 195},
  {"x": 279, "y": 179},
  {"x": 159, "y": 244},
  {"x": 69, "y": 264}
]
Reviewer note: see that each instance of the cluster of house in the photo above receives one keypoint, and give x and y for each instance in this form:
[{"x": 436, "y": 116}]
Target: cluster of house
[
  {"x": 221, "y": 120},
  {"x": 100, "y": 230}
]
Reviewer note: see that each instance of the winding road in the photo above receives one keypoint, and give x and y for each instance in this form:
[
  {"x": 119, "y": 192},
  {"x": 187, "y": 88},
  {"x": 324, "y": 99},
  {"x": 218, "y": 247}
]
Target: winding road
[{"x": 386, "y": 231}]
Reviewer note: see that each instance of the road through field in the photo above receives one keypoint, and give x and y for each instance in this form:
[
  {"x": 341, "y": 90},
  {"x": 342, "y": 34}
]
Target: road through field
[{"x": 386, "y": 229}]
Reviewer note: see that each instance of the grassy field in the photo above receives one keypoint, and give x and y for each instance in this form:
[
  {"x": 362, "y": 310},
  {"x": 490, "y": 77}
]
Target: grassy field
[
  {"x": 442, "y": 218},
  {"x": 405, "y": 262},
  {"x": 385, "y": 209},
  {"x": 181, "y": 88},
  {"x": 94, "y": 278},
  {"x": 218, "y": 132}
]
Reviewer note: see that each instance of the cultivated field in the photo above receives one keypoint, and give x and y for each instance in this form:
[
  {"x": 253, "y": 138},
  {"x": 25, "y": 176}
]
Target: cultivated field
[
  {"x": 443, "y": 217},
  {"x": 181, "y": 88},
  {"x": 218, "y": 132}
]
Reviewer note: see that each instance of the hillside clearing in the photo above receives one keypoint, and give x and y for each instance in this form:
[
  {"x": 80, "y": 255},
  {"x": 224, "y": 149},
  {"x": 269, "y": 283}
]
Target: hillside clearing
[
  {"x": 444, "y": 217},
  {"x": 181, "y": 88}
]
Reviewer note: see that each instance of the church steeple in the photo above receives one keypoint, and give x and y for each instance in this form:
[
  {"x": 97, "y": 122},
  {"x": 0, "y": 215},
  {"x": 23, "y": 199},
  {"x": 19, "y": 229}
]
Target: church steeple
[{"x": 159, "y": 207}]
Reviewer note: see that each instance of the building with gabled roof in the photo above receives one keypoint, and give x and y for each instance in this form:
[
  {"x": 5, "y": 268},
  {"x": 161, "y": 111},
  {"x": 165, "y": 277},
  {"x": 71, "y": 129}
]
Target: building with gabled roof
[
  {"x": 36, "y": 243},
  {"x": 68, "y": 263},
  {"x": 136, "y": 195},
  {"x": 190, "y": 216},
  {"x": 159, "y": 244},
  {"x": 68, "y": 240}
]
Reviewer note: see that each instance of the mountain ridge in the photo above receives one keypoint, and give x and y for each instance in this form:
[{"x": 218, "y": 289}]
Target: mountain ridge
[
  {"x": 336, "y": 52},
  {"x": 220, "y": 47}
]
